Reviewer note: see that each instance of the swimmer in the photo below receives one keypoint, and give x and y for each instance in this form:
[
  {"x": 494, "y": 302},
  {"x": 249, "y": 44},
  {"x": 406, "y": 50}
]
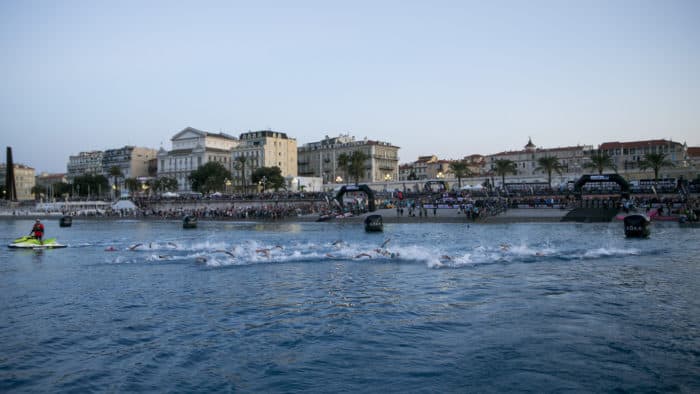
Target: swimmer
[
  {"x": 385, "y": 242},
  {"x": 263, "y": 251},
  {"x": 132, "y": 247},
  {"x": 200, "y": 259},
  {"x": 505, "y": 247},
  {"x": 172, "y": 244},
  {"x": 363, "y": 255},
  {"x": 110, "y": 249},
  {"x": 225, "y": 251},
  {"x": 446, "y": 257}
]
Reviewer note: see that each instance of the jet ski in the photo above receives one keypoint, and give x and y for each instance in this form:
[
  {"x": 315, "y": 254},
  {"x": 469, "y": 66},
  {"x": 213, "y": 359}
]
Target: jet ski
[{"x": 29, "y": 242}]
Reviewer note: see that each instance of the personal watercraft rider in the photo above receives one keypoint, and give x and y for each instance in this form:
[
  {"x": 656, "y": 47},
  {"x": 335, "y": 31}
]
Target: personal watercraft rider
[{"x": 38, "y": 231}]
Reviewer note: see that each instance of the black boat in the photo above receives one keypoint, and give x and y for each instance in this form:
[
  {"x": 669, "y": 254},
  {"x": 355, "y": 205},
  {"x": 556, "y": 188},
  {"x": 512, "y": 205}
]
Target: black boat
[
  {"x": 374, "y": 223},
  {"x": 189, "y": 222},
  {"x": 637, "y": 226},
  {"x": 65, "y": 221}
]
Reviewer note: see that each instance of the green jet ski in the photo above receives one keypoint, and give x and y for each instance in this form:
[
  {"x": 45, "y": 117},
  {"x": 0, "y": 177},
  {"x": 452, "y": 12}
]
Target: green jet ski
[{"x": 29, "y": 242}]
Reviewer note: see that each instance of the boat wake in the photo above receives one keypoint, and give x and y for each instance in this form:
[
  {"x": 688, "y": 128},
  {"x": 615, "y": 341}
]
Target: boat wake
[{"x": 221, "y": 254}]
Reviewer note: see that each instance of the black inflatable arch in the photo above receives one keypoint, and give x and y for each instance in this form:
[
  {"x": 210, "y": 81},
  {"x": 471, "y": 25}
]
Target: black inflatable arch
[
  {"x": 357, "y": 188},
  {"x": 624, "y": 185}
]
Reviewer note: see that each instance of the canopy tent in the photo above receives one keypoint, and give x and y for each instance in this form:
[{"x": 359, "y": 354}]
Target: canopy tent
[{"x": 123, "y": 204}]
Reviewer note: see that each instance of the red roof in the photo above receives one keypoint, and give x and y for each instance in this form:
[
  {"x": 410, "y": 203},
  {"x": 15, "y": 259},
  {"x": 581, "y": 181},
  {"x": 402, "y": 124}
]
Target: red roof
[{"x": 694, "y": 151}]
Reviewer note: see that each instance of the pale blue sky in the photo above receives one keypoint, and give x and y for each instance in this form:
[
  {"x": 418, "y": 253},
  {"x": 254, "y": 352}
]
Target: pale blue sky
[{"x": 450, "y": 78}]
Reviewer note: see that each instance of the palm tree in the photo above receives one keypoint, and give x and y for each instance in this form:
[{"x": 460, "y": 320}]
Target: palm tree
[
  {"x": 600, "y": 161},
  {"x": 131, "y": 184},
  {"x": 240, "y": 165},
  {"x": 115, "y": 172},
  {"x": 548, "y": 164},
  {"x": 503, "y": 167},
  {"x": 655, "y": 161},
  {"x": 356, "y": 167},
  {"x": 344, "y": 165},
  {"x": 461, "y": 170}
]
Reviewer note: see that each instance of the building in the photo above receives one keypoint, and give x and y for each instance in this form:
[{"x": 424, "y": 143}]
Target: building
[
  {"x": 627, "y": 155},
  {"x": 263, "y": 148},
  {"x": 426, "y": 167},
  {"x": 24, "y": 181},
  {"x": 694, "y": 157},
  {"x": 132, "y": 161},
  {"x": 84, "y": 163},
  {"x": 320, "y": 159},
  {"x": 571, "y": 158},
  {"x": 192, "y": 148}
]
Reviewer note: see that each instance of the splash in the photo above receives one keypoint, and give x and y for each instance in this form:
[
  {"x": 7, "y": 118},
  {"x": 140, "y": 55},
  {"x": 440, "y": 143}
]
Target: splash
[{"x": 221, "y": 254}]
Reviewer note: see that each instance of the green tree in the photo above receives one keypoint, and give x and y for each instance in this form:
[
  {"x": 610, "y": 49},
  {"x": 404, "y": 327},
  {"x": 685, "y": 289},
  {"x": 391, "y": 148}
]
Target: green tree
[
  {"x": 654, "y": 161},
  {"x": 268, "y": 177},
  {"x": 548, "y": 164},
  {"x": 503, "y": 167},
  {"x": 209, "y": 177},
  {"x": 241, "y": 161},
  {"x": 131, "y": 184},
  {"x": 461, "y": 170},
  {"x": 344, "y": 165},
  {"x": 600, "y": 161},
  {"x": 115, "y": 172},
  {"x": 38, "y": 190},
  {"x": 60, "y": 189},
  {"x": 163, "y": 184},
  {"x": 356, "y": 167},
  {"x": 90, "y": 185}
]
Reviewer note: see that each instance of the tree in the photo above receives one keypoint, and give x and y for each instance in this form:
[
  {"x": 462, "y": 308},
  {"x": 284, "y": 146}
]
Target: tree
[
  {"x": 548, "y": 164},
  {"x": 38, "y": 190},
  {"x": 503, "y": 167},
  {"x": 89, "y": 184},
  {"x": 461, "y": 170},
  {"x": 209, "y": 177},
  {"x": 344, "y": 165},
  {"x": 131, "y": 184},
  {"x": 163, "y": 184},
  {"x": 268, "y": 177},
  {"x": 240, "y": 166},
  {"x": 115, "y": 172},
  {"x": 59, "y": 189},
  {"x": 654, "y": 161},
  {"x": 600, "y": 161},
  {"x": 356, "y": 167},
  {"x": 412, "y": 176}
]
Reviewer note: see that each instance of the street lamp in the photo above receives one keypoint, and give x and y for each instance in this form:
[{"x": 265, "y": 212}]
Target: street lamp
[
  {"x": 440, "y": 175},
  {"x": 262, "y": 182},
  {"x": 228, "y": 184},
  {"x": 338, "y": 179}
]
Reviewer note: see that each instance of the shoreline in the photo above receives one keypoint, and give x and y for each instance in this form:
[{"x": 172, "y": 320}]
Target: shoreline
[{"x": 514, "y": 215}]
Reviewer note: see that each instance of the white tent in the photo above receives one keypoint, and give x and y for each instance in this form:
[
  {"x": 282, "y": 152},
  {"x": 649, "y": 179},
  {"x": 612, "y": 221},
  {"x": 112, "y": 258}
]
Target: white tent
[{"x": 123, "y": 204}]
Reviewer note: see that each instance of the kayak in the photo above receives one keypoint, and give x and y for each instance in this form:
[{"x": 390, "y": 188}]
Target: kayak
[{"x": 29, "y": 242}]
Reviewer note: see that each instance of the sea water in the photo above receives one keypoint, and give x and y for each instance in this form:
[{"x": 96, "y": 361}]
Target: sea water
[{"x": 325, "y": 307}]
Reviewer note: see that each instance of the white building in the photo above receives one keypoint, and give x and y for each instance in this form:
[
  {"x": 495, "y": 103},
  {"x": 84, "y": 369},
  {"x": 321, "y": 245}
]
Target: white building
[
  {"x": 192, "y": 148},
  {"x": 571, "y": 158},
  {"x": 320, "y": 159},
  {"x": 84, "y": 163}
]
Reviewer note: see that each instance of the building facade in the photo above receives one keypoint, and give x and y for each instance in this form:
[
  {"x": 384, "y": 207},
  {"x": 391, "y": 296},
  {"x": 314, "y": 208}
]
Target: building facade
[
  {"x": 131, "y": 161},
  {"x": 571, "y": 158},
  {"x": 627, "y": 155},
  {"x": 84, "y": 163},
  {"x": 263, "y": 148},
  {"x": 191, "y": 149},
  {"x": 24, "y": 180},
  {"x": 320, "y": 159}
]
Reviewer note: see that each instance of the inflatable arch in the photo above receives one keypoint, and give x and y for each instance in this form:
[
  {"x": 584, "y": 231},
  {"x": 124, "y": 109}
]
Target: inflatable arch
[
  {"x": 624, "y": 185},
  {"x": 357, "y": 188}
]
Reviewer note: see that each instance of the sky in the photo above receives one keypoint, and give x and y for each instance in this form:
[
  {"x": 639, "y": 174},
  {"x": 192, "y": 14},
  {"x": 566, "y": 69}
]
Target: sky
[{"x": 450, "y": 78}]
